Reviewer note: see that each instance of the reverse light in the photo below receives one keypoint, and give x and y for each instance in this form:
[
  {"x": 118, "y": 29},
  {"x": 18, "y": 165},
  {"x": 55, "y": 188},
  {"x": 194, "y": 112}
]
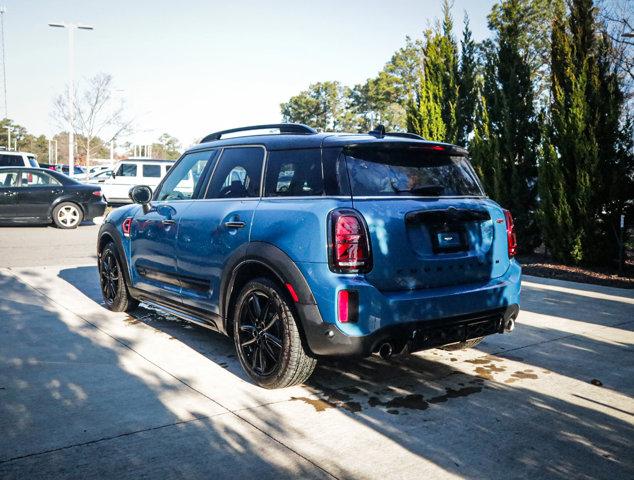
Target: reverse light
[
  {"x": 349, "y": 243},
  {"x": 126, "y": 226},
  {"x": 510, "y": 234}
]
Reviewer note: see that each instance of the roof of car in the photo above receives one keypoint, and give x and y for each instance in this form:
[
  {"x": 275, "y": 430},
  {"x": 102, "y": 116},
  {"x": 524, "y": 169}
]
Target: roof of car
[
  {"x": 147, "y": 160},
  {"x": 286, "y": 141}
]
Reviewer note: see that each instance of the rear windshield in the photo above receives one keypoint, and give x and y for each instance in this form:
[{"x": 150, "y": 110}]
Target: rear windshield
[{"x": 410, "y": 172}]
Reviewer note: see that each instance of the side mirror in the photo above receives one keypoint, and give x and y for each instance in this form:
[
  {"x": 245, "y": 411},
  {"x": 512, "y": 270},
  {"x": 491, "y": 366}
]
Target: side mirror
[
  {"x": 141, "y": 194},
  {"x": 113, "y": 175}
]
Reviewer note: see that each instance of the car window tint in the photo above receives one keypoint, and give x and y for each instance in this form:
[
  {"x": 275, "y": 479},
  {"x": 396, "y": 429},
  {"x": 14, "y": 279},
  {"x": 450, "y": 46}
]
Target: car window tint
[
  {"x": 182, "y": 180},
  {"x": 294, "y": 173},
  {"x": 8, "y": 179},
  {"x": 37, "y": 179},
  {"x": 127, "y": 170},
  {"x": 237, "y": 174},
  {"x": 11, "y": 161},
  {"x": 152, "y": 171}
]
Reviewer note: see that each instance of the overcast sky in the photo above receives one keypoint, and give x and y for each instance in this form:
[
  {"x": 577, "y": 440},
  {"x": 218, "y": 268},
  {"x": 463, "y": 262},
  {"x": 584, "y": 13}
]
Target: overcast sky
[{"x": 191, "y": 67}]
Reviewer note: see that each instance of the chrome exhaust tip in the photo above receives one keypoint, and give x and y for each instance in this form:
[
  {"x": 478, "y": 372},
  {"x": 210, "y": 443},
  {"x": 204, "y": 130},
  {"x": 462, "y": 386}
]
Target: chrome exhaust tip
[{"x": 509, "y": 325}]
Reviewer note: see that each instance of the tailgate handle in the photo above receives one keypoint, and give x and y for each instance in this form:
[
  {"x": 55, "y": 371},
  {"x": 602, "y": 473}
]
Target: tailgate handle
[{"x": 235, "y": 224}]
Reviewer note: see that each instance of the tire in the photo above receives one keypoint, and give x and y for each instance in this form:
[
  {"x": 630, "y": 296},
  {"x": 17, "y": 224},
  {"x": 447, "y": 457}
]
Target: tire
[
  {"x": 462, "y": 345},
  {"x": 112, "y": 282},
  {"x": 267, "y": 339},
  {"x": 67, "y": 215}
]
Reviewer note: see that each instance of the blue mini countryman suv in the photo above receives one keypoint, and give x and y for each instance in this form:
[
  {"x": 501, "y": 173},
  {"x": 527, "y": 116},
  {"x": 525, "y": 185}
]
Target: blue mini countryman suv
[{"x": 303, "y": 245}]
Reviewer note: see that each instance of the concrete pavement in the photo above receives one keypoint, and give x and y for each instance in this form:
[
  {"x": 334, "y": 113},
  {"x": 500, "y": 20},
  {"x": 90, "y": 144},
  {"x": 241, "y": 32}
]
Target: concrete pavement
[{"x": 87, "y": 393}]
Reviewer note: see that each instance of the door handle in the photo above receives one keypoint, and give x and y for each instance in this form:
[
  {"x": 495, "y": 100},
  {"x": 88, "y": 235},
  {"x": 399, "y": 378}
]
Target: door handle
[
  {"x": 169, "y": 222},
  {"x": 235, "y": 224}
]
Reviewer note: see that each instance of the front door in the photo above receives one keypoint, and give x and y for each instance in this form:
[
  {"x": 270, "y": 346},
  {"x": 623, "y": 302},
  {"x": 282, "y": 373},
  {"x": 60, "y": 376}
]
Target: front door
[
  {"x": 126, "y": 176},
  {"x": 154, "y": 232},
  {"x": 37, "y": 192},
  {"x": 8, "y": 194},
  {"x": 214, "y": 228}
]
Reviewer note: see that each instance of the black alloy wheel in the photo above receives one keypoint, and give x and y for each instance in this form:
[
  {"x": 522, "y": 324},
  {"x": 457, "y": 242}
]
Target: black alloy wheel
[
  {"x": 267, "y": 337},
  {"x": 261, "y": 333}
]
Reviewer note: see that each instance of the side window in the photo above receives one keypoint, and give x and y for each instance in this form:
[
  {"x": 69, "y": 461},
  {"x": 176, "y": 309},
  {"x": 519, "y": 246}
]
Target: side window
[
  {"x": 152, "y": 171},
  {"x": 294, "y": 173},
  {"x": 37, "y": 179},
  {"x": 183, "y": 178},
  {"x": 11, "y": 161},
  {"x": 8, "y": 179},
  {"x": 238, "y": 174},
  {"x": 127, "y": 170}
]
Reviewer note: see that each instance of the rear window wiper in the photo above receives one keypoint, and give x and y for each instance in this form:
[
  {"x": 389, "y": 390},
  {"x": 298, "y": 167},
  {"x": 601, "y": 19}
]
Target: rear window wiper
[{"x": 421, "y": 190}]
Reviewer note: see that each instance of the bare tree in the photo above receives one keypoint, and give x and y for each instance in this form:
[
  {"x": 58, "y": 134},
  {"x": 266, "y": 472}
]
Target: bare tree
[{"x": 99, "y": 118}]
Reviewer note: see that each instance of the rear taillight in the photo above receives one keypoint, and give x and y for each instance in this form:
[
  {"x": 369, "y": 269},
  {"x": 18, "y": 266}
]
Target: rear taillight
[
  {"x": 349, "y": 243},
  {"x": 510, "y": 234},
  {"x": 126, "y": 226},
  {"x": 97, "y": 193}
]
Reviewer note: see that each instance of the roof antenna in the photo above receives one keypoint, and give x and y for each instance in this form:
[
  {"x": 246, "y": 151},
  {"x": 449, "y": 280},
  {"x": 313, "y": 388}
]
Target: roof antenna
[{"x": 378, "y": 132}]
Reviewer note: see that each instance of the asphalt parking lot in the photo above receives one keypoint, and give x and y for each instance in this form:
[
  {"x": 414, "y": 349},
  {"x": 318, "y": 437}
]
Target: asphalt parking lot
[{"x": 87, "y": 393}]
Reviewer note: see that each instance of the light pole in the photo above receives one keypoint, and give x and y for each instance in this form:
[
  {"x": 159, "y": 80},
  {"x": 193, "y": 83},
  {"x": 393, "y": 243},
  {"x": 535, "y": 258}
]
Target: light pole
[
  {"x": 8, "y": 138},
  {"x": 71, "y": 88}
]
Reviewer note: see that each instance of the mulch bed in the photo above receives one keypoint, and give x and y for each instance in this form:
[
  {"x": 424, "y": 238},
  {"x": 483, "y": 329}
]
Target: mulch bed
[{"x": 542, "y": 266}]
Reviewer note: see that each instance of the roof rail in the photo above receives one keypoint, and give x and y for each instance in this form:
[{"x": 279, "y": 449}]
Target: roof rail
[
  {"x": 405, "y": 135},
  {"x": 292, "y": 128}
]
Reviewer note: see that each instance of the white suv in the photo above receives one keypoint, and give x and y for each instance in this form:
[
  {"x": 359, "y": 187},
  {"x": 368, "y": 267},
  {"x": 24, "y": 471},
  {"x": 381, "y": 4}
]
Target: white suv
[
  {"x": 133, "y": 171},
  {"x": 17, "y": 159}
]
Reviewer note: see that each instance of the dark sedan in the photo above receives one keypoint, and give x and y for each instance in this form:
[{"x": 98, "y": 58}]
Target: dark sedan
[{"x": 37, "y": 195}]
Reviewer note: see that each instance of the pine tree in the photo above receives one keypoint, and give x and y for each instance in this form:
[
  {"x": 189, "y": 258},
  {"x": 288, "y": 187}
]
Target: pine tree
[
  {"x": 438, "y": 86},
  {"x": 509, "y": 95},
  {"x": 590, "y": 138},
  {"x": 467, "y": 92}
]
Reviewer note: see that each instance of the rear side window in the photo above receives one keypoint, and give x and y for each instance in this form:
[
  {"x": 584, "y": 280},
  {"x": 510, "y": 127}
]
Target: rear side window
[
  {"x": 294, "y": 173},
  {"x": 152, "y": 171},
  {"x": 237, "y": 174},
  {"x": 127, "y": 170},
  {"x": 410, "y": 172},
  {"x": 11, "y": 161},
  {"x": 37, "y": 179}
]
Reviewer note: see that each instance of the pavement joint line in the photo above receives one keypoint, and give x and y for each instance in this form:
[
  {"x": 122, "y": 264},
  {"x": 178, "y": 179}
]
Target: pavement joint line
[
  {"x": 112, "y": 437},
  {"x": 121, "y": 342}
]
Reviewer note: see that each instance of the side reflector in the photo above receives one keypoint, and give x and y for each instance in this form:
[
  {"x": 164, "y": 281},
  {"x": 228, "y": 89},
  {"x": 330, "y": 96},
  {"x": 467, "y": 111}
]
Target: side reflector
[
  {"x": 291, "y": 290},
  {"x": 126, "y": 226},
  {"x": 348, "y": 306}
]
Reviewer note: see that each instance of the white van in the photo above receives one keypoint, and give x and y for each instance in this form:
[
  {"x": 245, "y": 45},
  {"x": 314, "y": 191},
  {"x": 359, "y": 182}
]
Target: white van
[
  {"x": 17, "y": 159},
  {"x": 133, "y": 171}
]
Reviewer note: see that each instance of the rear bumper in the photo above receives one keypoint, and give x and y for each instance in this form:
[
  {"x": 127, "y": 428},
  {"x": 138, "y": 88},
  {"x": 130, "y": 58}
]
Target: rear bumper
[
  {"x": 94, "y": 209},
  {"x": 426, "y": 318}
]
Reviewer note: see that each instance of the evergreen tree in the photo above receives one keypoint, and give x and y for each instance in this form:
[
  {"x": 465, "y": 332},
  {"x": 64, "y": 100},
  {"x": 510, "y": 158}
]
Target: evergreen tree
[
  {"x": 509, "y": 95},
  {"x": 467, "y": 92},
  {"x": 438, "y": 85},
  {"x": 592, "y": 141}
]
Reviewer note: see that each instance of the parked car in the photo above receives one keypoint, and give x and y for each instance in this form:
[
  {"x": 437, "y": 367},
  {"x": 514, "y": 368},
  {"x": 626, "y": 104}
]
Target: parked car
[
  {"x": 304, "y": 245},
  {"x": 78, "y": 171},
  {"x": 17, "y": 159},
  {"x": 99, "y": 177},
  {"x": 37, "y": 195},
  {"x": 97, "y": 169},
  {"x": 133, "y": 171}
]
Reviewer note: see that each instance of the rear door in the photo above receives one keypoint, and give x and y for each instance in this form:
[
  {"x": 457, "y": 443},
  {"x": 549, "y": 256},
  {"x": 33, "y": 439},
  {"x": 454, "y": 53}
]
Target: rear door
[
  {"x": 429, "y": 222},
  {"x": 9, "y": 194},
  {"x": 154, "y": 232},
  {"x": 214, "y": 228}
]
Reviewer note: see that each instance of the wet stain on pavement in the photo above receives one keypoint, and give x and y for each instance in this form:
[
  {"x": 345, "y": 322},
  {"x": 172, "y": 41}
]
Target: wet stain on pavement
[
  {"x": 596, "y": 383},
  {"x": 130, "y": 320},
  {"x": 484, "y": 360},
  {"x": 451, "y": 393},
  {"x": 488, "y": 370},
  {"x": 413, "y": 402}
]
